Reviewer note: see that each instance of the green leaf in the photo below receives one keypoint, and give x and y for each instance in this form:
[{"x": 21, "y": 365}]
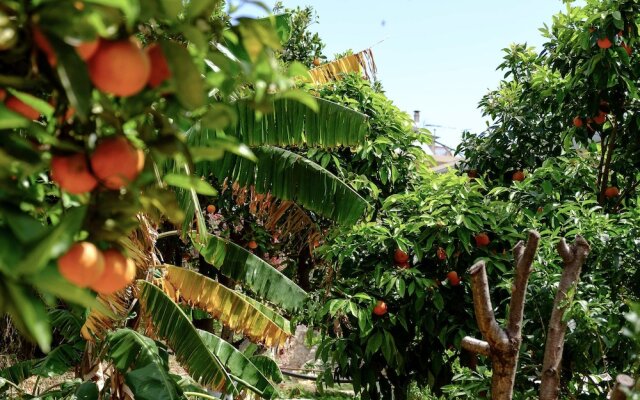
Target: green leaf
[
  {"x": 130, "y": 8},
  {"x": 190, "y": 182},
  {"x": 189, "y": 86},
  {"x": 11, "y": 120},
  {"x": 255, "y": 273},
  {"x": 29, "y": 315},
  {"x": 268, "y": 367},
  {"x": 87, "y": 391},
  {"x": 60, "y": 360},
  {"x": 54, "y": 244},
  {"x": 241, "y": 368},
  {"x": 74, "y": 77}
]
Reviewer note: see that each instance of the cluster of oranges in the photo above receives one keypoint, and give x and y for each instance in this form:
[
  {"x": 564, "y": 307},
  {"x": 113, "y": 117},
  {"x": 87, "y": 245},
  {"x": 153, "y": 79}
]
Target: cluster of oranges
[
  {"x": 606, "y": 43},
  {"x": 120, "y": 68},
  {"x": 105, "y": 272}
]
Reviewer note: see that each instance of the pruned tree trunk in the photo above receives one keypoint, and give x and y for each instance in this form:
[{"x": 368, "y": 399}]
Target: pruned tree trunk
[
  {"x": 623, "y": 382},
  {"x": 573, "y": 258},
  {"x": 502, "y": 345}
]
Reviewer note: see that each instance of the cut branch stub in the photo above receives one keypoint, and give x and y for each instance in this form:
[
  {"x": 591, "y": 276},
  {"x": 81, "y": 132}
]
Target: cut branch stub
[
  {"x": 573, "y": 258},
  {"x": 623, "y": 382},
  {"x": 502, "y": 345}
]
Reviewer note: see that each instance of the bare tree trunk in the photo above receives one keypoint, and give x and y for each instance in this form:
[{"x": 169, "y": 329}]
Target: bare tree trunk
[
  {"x": 623, "y": 382},
  {"x": 573, "y": 258},
  {"x": 502, "y": 345}
]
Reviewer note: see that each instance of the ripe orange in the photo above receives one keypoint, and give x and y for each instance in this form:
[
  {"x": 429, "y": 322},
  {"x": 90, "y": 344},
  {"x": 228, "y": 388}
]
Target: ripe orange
[
  {"x": 252, "y": 245},
  {"x": 316, "y": 62},
  {"x": 380, "y": 309},
  {"x": 540, "y": 210},
  {"x": 119, "y": 67},
  {"x": 600, "y": 118},
  {"x": 518, "y": 176},
  {"x": 119, "y": 271},
  {"x": 211, "y": 209},
  {"x": 400, "y": 256},
  {"x": 72, "y": 174},
  {"x": 482, "y": 239},
  {"x": 604, "y": 43},
  {"x": 454, "y": 280},
  {"x": 611, "y": 191},
  {"x": 86, "y": 50},
  {"x": 82, "y": 264},
  {"x": 43, "y": 44},
  {"x": 159, "y": 68},
  {"x": 472, "y": 173},
  {"x": 441, "y": 253},
  {"x": 577, "y": 122},
  {"x": 116, "y": 163},
  {"x": 15, "y": 104}
]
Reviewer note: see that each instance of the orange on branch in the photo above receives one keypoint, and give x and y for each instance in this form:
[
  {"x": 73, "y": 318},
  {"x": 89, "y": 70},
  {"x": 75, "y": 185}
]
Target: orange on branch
[
  {"x": 72, "y": 173},
  {"x": 400, "y": 256},
  {"x": 611, "y": 191},
  {"x": 577, "y": 122},
  {"x": 119, "y": 271},
  {"x": 119, "y": 68},
  {"x": 482, "y": 239},
  {"x": 604, "y": 43},
  {"x": 160, "y": 71},
  {"x": 518, "y": 176},
  {"x": 116, "y": 162},
  {"x": 82, "y": 264},
  {"x": 252, "y": 245},
  {"x": 86, "y": 50},
  {"x": 380, "y": 309},
  {"x": 211, "y": 209},
  {"x": 453, "y": 278}
]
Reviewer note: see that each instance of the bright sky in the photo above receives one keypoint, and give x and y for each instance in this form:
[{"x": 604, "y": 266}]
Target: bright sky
[{"x": 439, "y": 57}]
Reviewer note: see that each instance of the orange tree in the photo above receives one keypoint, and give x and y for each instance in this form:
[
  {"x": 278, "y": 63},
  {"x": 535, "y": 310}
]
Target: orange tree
[{"x": 104, "y": 109}]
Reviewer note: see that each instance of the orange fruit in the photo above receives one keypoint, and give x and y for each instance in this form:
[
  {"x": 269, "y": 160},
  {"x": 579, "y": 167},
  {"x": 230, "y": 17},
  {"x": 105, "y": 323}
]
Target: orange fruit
[
  {"x": 72, "y": 173},
  {"x": 604, "y": 43},
  {"x": 611, "y": 191},
  {"x": 518, "y": 176},
  {"x": 316, "y": 62},
  {"x": 119, "y": 68},
  {"x": 441, "y": 253},
  {"x": 159, "y": 68},
  {"x": 400, "y": 256},
  {"x": 87, "y": 49},
  {"x": 15, "y": 104},
  {"x": 252, "y": 245},
  {"x": 600, "y": 118},
  {"x": 116, "y": 163},
  {"x": 472, "y": 173},
  {"x": 119, "y": 271},
  {"x": 577, "y": 122},
  {"x": 43, "y": 44},
  {"x": 454, "y": 280},
  {"x": 380, "y": 309},
  {"x": 482, "y": 239},
  {"x": 82, "y": 264},
  {"x": 211, "y": 209}
]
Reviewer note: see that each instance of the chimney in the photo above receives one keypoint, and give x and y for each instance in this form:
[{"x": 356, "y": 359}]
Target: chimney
[{"x": 416, "y": 117}]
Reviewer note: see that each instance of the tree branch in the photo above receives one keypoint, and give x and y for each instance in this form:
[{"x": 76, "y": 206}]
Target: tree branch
[
  {"x": 524, "y": 256},
  {"x": 574, "y": 257},
  {"x": 476, "y": 346},
  {"x": 487, "y": 323}
]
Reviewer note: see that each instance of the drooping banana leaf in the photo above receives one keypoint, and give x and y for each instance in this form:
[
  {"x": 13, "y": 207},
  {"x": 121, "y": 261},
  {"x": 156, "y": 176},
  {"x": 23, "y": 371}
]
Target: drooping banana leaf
[
  {"x": 171, "y": 324},
  {"x": 359, "y": 63},
  {"x": 146, "y": 372},
  {"x": 17, "y": 373},
  {"x": 268, "y": 367},
  {"x": 252, "y": 271},
  {"x": 292, "y": 123},
  {"x": 289, "y": 176},
  {"x": 59, "y": 360},
  {"x": 240, "y": 367},
  {"x": 98, "y": 323},
  {"x": 238, "y": 312}
]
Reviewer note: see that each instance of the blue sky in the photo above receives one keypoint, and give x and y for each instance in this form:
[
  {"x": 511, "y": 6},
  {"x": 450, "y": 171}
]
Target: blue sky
[{"x": 439, "y": 57}]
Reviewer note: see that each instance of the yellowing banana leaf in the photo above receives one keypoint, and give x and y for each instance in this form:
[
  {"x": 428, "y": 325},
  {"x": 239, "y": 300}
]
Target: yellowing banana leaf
[
  {"x": 361, "y": 63},
  {"x": 241, "y": 265},
  {"x": 170, "y": 323},
  {"x": 98, "y": 324},
  {"x": 238, "y": 312}
]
